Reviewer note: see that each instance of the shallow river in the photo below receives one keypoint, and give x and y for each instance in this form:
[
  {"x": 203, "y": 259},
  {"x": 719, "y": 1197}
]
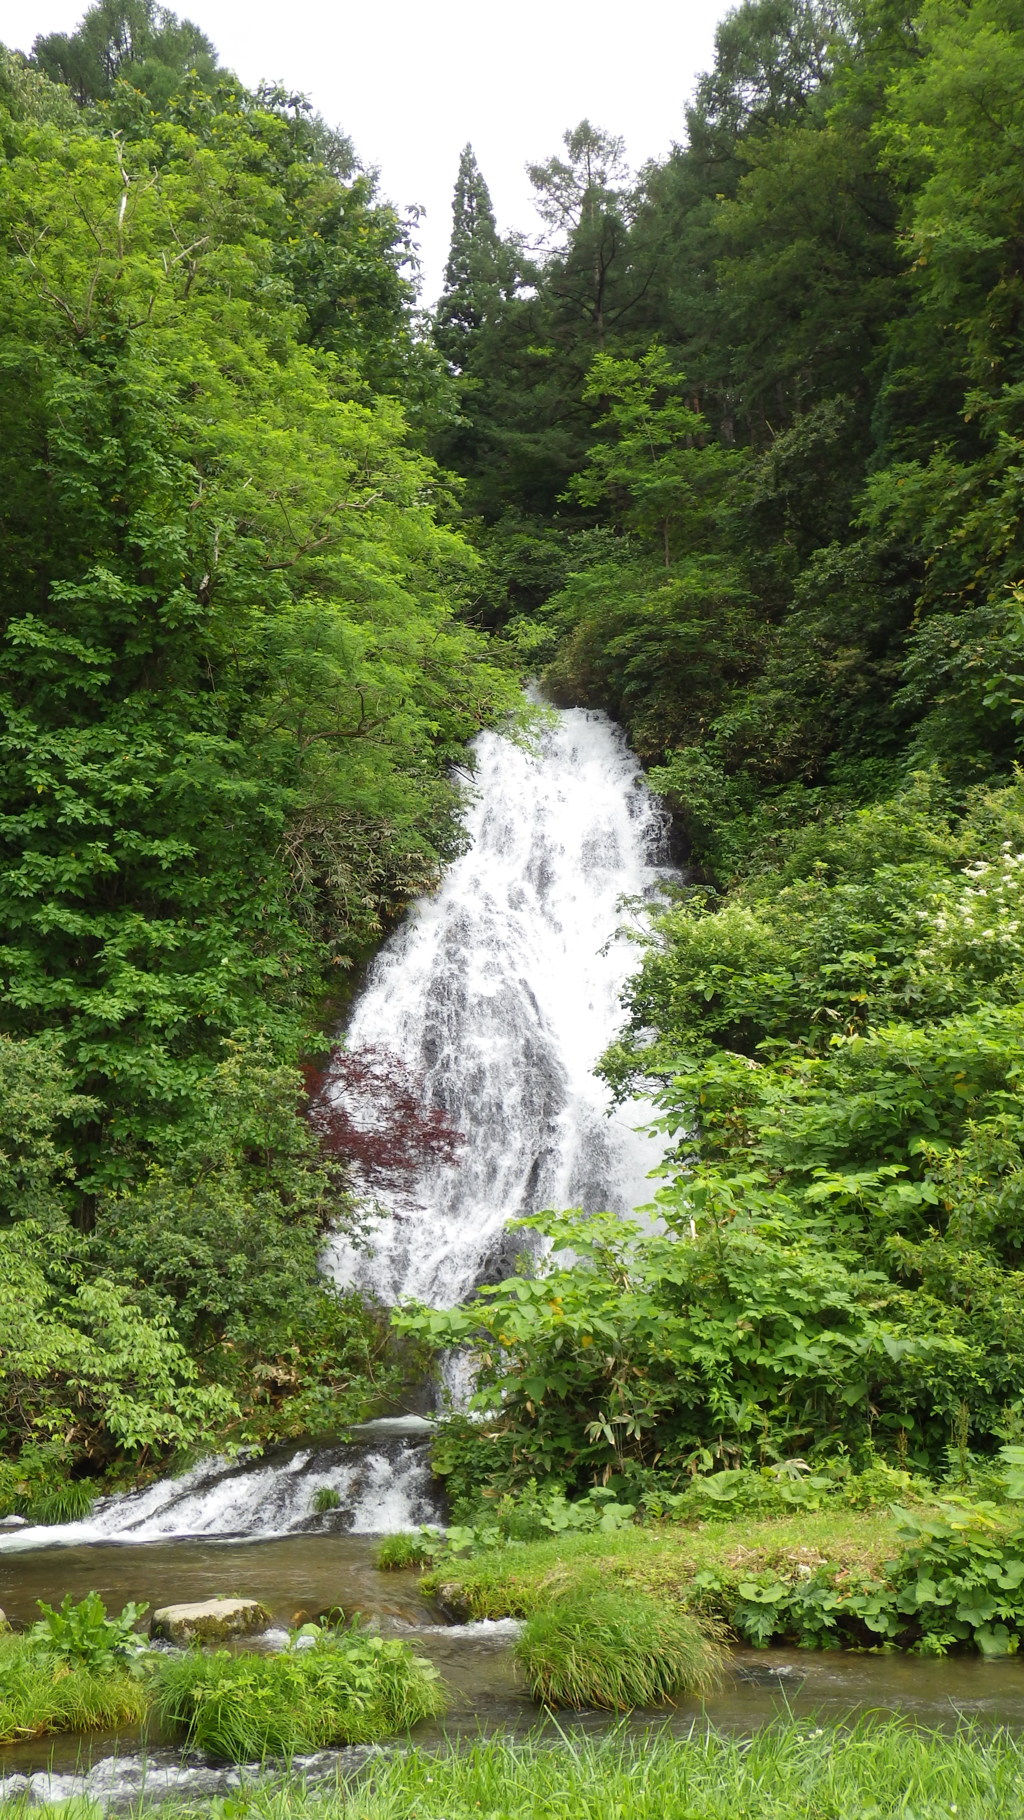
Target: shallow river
[{"x": 299, "y": 1576}]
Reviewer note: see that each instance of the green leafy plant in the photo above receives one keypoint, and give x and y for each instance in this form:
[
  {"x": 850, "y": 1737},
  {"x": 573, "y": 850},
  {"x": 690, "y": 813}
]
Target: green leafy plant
[
  {"x": 410, "y": 1548},
  {"x": 83, "y": 1633},
  {"x": 958, "y": 1584},
  {"x": 325, "y": 1498}
]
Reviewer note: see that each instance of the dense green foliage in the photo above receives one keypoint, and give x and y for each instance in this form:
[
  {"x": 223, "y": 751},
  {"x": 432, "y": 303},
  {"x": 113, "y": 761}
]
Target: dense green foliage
[
  {"x": 233, "y": 678},
  {"x": 72, "y": 1671},
  {"x": 349, "y": 1688},
  {"x": 744, "y": 438},
  {"x": 762, "y": 491}
]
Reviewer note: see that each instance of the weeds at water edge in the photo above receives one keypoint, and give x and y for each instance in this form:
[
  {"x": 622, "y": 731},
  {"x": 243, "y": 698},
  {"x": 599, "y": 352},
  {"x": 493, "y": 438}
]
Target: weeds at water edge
[
  {"x": 868, "y": 1771},
  {"x": 41, "y": 1693}
]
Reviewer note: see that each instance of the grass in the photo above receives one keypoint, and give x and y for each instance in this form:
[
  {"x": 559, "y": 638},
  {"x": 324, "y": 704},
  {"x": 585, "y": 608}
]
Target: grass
[
  {"x": 349, "y": 1688},
  {"x": 615, "y": 1648},
  {"x": 70, "y": 1502},
  {"x": 40, "y": 1694},
  {"x": 786, "y": 1772},
  {"x": 403, "y": 1549},
  {"x": 515, "y": 1580}
]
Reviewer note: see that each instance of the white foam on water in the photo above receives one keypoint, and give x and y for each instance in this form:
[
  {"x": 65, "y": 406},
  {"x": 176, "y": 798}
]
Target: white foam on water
[
  {"x": 480, "y": 1630},
  {"x": 381, "y": 1487}
]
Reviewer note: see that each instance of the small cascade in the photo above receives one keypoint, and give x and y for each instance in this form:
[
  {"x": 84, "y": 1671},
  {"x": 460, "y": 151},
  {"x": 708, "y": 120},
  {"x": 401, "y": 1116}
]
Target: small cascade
[
  {"x": 383, "y": 1483},
  {"x": 499, "y": 994}
]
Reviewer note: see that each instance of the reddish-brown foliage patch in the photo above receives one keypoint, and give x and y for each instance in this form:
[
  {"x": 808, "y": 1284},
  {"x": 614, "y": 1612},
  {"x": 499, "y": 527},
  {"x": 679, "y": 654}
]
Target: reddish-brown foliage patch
[{"x": 369, "y": 1113}]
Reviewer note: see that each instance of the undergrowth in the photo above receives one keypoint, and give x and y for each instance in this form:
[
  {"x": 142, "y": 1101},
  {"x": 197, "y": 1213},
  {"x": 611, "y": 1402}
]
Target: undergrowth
[{"x": 869, "y": 1771}]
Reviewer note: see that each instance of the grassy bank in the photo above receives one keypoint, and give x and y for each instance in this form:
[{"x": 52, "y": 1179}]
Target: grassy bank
[
  {"x": 788, "y": 1772},
  {"x": 663, "y": 1559},
  {"x": 936, "y": 1579}
]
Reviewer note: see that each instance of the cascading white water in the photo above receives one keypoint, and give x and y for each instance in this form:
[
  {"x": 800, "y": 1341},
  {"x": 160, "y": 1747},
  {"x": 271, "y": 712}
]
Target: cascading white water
[
  {"x": 500, "y": 994},
  {"x": 383, "y": 1483}
]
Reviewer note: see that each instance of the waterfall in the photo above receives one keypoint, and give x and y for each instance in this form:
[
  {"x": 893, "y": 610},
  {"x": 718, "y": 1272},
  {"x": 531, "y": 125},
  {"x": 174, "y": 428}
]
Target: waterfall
[{"x": 499, "y": 994}]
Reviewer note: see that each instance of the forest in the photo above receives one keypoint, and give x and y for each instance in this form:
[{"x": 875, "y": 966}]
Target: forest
[{"x": 734, "y": 451}]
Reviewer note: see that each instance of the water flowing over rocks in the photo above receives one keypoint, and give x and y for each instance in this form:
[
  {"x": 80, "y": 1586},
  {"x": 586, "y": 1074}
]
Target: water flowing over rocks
[
  {"x": 382, "y": 1483},
  {"x": 120, "y": 1784},
  {"x": 500, "y": 994}
]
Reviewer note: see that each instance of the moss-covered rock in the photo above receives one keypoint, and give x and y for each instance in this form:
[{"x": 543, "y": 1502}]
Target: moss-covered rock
[{"x": 209, "y": 1621}]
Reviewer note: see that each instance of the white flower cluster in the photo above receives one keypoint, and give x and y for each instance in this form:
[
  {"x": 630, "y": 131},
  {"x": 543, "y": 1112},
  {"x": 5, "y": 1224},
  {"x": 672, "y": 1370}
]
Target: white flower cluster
[{"x": 981, "y": 921}]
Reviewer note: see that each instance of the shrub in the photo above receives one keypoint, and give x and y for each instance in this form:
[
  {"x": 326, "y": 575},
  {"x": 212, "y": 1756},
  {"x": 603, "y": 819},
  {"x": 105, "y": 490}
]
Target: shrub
[
  {"x": 957, "y": 1585},
  {"x": 40, "y": 1693},
  {"x": 349, "y": 1688},
  {"x": 615, "y": 1649}
]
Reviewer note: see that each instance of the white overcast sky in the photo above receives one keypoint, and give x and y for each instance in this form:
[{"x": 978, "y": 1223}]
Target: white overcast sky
[{"x": 411, "y": 82}]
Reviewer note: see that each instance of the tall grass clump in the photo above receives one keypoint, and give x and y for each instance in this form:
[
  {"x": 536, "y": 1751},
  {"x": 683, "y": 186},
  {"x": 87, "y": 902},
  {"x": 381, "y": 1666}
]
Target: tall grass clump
[
  {"x": 41, "y": 1692},
  {"x": 615, "y": 1648},
  {"x": 349, "y": 1688}
]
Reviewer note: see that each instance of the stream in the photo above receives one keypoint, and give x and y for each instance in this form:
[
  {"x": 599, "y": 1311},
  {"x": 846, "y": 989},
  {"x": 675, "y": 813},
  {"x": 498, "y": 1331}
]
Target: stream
[
  {"x": 298, "y": 1576},
  {"x": 499, "y": 993}
]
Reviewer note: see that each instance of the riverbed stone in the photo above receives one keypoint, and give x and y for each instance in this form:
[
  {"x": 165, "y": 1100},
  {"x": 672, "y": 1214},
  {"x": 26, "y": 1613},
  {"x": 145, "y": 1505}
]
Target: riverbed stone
[
  {"x": 208, "y": 1621},
  {"x": 454, "y": 1602}
]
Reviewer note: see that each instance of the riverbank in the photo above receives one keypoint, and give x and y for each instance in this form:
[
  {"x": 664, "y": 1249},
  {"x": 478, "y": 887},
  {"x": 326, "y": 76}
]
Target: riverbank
[
  {"x": 666, "y": 1559},
  {"x": 789, "y": 1773}
]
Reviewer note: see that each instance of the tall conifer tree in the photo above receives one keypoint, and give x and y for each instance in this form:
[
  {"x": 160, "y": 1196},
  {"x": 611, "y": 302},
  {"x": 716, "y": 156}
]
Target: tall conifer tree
[{"x": 473, "y": 276}]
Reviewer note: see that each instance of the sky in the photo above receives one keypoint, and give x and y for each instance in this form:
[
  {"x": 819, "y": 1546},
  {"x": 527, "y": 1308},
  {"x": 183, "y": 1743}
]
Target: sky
[{"x": 411, "y": 81}]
